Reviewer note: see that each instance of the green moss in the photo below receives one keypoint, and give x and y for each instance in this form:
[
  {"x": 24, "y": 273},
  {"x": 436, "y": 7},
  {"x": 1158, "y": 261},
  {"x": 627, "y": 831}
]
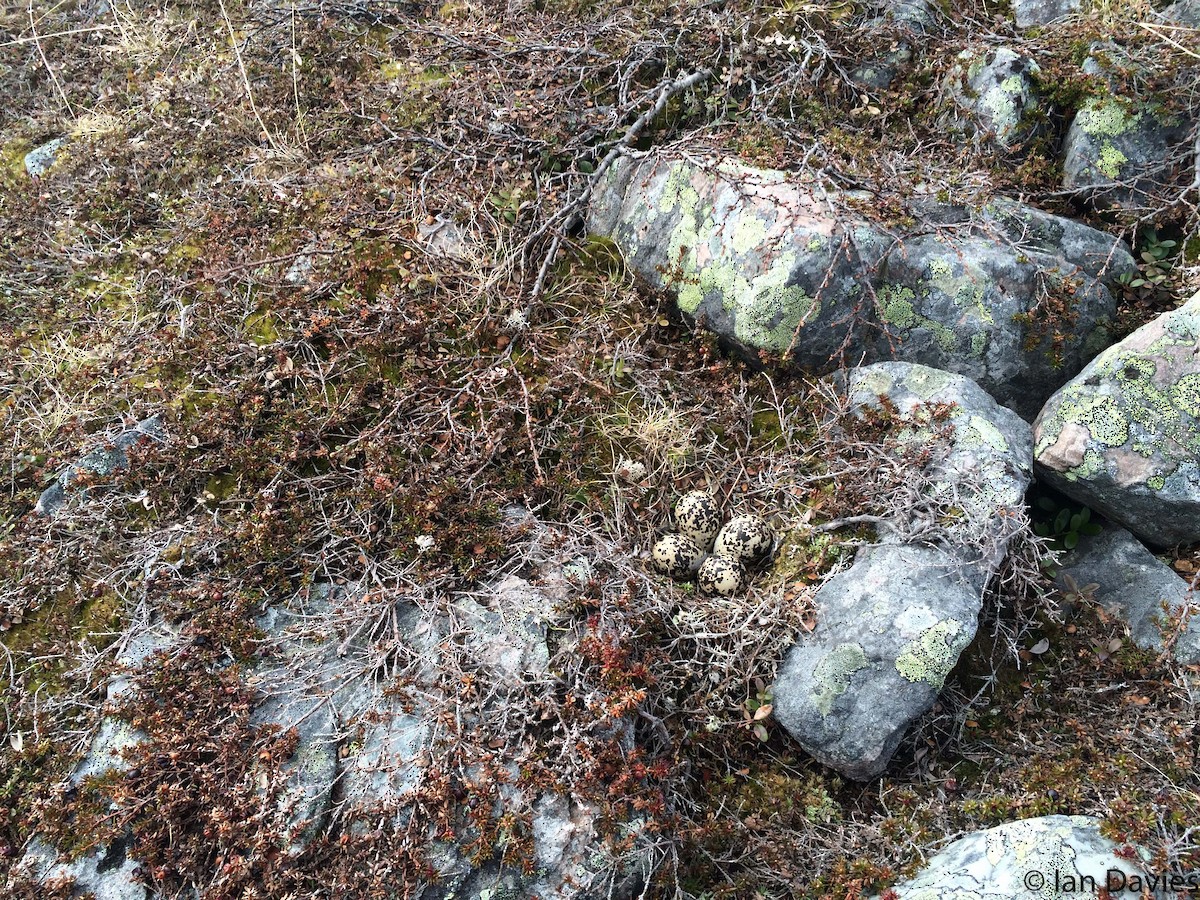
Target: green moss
[
  {"x": 931, "y": 656},
  {"x": 260, "y": 327},
  {"x": 833, "y": 673},
  {"x": 12, "y": 164}
]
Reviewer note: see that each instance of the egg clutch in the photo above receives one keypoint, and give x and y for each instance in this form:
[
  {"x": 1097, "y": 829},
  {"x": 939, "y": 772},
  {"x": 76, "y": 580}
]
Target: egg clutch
[{"x": 743, "y": 540}]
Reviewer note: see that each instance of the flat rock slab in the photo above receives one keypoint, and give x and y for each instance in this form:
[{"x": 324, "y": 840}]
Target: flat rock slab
[
  {"x": 1139, "y": 589},
  {"x": 111, "y": 456},
  {"x": 892, "y": 626},
  {"x": 106, "y": 874},
  {"x": 1123, "y": 437},
  {"x": 1050, "y": 856},
  {"x": 772, "y": 264}
]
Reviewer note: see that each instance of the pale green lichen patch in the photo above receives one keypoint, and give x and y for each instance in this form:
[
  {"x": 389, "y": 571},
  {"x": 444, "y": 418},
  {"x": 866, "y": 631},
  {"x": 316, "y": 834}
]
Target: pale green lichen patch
[
  {"x": 896, "y": 306},
  {"x": 925, "y": 381},
  {"x": 980, "y": 431},
  {"x": 748, "y": 232},
  {"x": 933, "y": 654},
  {"x": 1105, "y": 118},
  {"x": 1110, "y": 160},
  {"x": 940, "y": 268},
  {"x": 1185, "y": 395},
  {"x": 833, "y": 673},
  {"x": 774, "y": 317}
]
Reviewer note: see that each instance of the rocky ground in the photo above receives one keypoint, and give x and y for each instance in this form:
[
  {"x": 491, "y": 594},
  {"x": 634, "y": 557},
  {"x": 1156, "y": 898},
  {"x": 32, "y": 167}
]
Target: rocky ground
[{"x": 357, "y": 354}]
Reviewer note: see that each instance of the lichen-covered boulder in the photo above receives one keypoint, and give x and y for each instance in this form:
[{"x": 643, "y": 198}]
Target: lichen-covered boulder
[
  {"x": 1050, "y": 856},
  {"x": 1121, "y": 150},
  {"x": 980, "y": 476},
  {"x": 995, "y": 88},
  {"x": 892, "y": 626},
  {"x": 976, "y": 306},
  {"x": 889, "y": 630},
  {"x": 771, "y": 265},
  {"x": 1133, "y": 585},
  {"x": 1040, "y": 12},
  {"x": 1123, "y": 437},
  {"x": 759, "y": 257},
  {"x": 112, "y": 456}
]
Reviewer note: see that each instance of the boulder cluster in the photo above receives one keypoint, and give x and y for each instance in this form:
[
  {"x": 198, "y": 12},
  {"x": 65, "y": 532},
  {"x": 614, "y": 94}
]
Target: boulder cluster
[
  {"x": 1002, "y": 314},
  {"x": 715, "y": 554}
]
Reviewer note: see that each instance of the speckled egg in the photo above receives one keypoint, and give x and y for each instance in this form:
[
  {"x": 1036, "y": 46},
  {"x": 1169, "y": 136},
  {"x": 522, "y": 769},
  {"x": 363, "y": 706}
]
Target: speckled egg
[
  {"x": 721, "y": 575},
  {"x": 698, "y": 515},
  {"x": 676, "y": 555},
  {"x": 745, "y": 538}
]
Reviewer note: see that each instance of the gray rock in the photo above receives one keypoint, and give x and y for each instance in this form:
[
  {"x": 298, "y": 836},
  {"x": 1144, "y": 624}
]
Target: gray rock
[
  {"x": 1123, "y": 437},
  {"x": 1073, "y": 244},
  {"x": 985, "y": 470},
  {"x": 879, "y": 73},
  {"x": 39, "y": 160},
  {"x": 1121, "y": 150},
  {"x": 995, "y": 88},
  {"x": 106, "y": 874},
  {"x": 1050, "y": 856},
  {"x": 391, "y": 738},
  {"x": 1139, "y": 589},
  {"x": 115, "y": 736},
  {"x": 890, "y": 628},
  {"x": 900, "y": 24},
  {"x": 763, "y": 260},
  {"x": 770, "y": 264},
  {"x": 973, "y": 306},
  {"x": 297, "y": 683},
  {"x": 1185, "y": 12},
  {"x": 103, "y": 461},
  {"x": 889, "y": 631},
  {"x": 1040, "y": 12}
]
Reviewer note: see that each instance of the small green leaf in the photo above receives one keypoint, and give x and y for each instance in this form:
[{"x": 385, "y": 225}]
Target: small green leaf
[
  {"x": 1071, "y": 541},
  {"x": 1062, "y": 520}
]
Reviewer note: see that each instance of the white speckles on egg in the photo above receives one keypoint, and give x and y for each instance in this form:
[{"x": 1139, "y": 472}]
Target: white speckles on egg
[
  {"x": 744, "y": 538},
  {"x": 676, "y": 555},
  {"x": 699, "y": 517},
  {"x": 721, "y": 575}
]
